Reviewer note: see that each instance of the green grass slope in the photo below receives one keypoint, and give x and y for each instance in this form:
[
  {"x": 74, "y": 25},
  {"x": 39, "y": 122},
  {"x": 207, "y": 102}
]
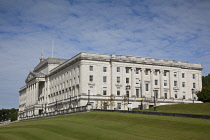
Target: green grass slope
[
  {"x": 107, "y": 126},
  {"x": 199, "y": 109}
]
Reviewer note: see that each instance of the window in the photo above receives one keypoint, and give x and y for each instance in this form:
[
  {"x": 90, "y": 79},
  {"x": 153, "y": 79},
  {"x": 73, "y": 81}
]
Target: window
[
  {"x": 155, "y": 72},
  {"x": 104, "y": 69},
  {"x": 91, "y": 68},
  {"x": 193, "y": 76},
  {"x": 156, "y": 82},
  {"x": 137, "y": 80},
  {"x": 165, "y": 73},
  {"x": 175, "y": 74},
  {"x": 194, "y": 85},
  {"x": 127, "y": 93},
  {"x": 127, "y": 70},
  {"x": 118, "y": 69},
  {"x": 119, "y": 105},
  {"x": 183, "y": 84},
  {"x": 91, "y": 78},
  {"x": 147, "y": 87},
  {"x": 137, "y": 71},
  {"x": 118, "y": 92},
  {"x": 156, "y": 93},
  {"x": 104, "y": 78},
  {"x": 183, "y": 75},
  {"x": 175, "y": 83},
  {"x": 104, "y": 92},
  {"x": 127, "y": 80},
  {"x": 165, "y": 82},
  {"x": 175, "y": 95},
  {"x": 118, "y": 79},
  {"x": 146, "y": 72},
  {"x": 165, "y": 95},
  {"x": 184, "y": 95},
  {"x": 137, "y": 93}
]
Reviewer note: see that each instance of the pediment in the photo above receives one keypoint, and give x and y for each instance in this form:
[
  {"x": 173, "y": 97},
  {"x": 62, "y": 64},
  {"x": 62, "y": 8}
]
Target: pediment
[
  {"x": 33, "y": 75},
  {"x": 30, "y": 77}
]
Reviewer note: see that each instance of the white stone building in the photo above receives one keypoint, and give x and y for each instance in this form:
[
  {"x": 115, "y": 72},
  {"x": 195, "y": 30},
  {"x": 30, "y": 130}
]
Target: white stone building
[{"x": 110, "y": 81}]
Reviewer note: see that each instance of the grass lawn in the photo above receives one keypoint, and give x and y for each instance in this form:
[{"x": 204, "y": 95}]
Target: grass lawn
[
  {"x": 199, "y": 108},
  {"x": 107, "y": 125}
]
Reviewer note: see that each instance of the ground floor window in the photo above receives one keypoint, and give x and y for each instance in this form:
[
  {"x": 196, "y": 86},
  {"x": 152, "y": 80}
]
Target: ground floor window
[
  {"x": 118, "y": 105},
  {"x": 137, "y": 93},
  {"x": 165, "y": 94}
]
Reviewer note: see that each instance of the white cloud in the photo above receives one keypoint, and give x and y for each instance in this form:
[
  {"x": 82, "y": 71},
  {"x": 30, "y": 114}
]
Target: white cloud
[{"x": 177, "y": 30}]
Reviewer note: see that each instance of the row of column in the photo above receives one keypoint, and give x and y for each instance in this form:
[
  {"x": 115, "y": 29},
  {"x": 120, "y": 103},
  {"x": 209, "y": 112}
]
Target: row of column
[
  {"x": 32, "y": 94},
  {"x": 151, "y": 83}
]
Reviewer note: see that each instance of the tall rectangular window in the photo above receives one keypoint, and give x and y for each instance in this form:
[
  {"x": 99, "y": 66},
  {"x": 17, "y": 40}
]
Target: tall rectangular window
[
  {"x": 104, "y": 69},
  {"x": 165, "y": 73},
  {"x": 104, "y": 92},
  {"x": 137, "y": 71},
  {"x": 147, "y": 87},
  {"x": 127, "y": 80},
  {"x": 91, "y": 78},
  {"x": 155, "y": 72},
  {"x": 156, "y": 93},
  {"x": 193, "y": 76},
  {"x": 183, "y": 75},
  {"x": 118, "y": 69},
  {"x": 184, "y": 95},
  {"x": 156, "y": 82},
  {"x": 165, "y": 95},
  {"x": 165, "y": 82},
  {"x": 175, "y": 74},
  {"x": 137, "y": 93},
  {"x": 194, "y": 85},
  {"x": 175, "y": 83},
  {"x": 118, "y": 79},
  {"x": 175, "y": 94},
  {"x": 183, "y": 84},
  {"x": 118, "y": 92},
  {"x": 91, "y": 68},
  {"x": 127, "y": 93},
  {"x": 127, "y": 70},
  {"x": 146, "y": 72},
  {"x": 137, "y": 80},
  {"x": 104, "y": 79}
]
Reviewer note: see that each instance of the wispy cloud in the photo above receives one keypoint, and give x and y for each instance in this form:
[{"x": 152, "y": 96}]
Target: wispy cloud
[{"x": 177, "y": 30}]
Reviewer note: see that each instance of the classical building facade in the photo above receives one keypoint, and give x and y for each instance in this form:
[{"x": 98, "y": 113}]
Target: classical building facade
[{"x": 107, "y": 81}]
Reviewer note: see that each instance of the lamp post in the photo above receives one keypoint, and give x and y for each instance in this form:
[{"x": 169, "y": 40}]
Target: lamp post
[
  {"x": 56, "y": 104},
  {"x": 127, "y": 90},
  {"x": 141, "y": 96},
  {"x": 88, "y": 103},
  {"x": 154, "y": 100},
  {"x": 70, "y": 102},
  {"x": 193, "y": 90}
]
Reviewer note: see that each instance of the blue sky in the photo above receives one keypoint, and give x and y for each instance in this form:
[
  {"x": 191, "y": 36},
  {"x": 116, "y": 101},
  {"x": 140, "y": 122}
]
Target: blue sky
[{"x": 165, "y": 29}]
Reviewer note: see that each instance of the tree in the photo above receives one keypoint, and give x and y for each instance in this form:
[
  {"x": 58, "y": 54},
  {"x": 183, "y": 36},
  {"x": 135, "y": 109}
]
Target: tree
[
  {"x": 206, "y": 80},
  {"x": 204, "y": 94}
]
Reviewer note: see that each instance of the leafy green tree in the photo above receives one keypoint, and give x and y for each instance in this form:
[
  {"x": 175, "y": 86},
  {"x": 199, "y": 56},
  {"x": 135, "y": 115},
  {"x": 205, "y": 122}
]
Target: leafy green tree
[
  {"x": 8, "y": 114},
  {"x": 206, "y": 81},
  {"x": 204, "y": 94}
]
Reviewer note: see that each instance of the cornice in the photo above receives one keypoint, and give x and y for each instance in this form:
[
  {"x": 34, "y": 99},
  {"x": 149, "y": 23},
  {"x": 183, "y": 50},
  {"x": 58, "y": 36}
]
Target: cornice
[{"x": 126, "y": 59}]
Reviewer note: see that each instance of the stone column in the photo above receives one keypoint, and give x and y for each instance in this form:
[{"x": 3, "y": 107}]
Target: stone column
[
  {"x": 152, "y": 81},
  {"x": 37, "y": 92},
  {"x": 133, "y": 83},
  {"x": 161, "y": 83},
  {"x": 32, "y": 95},
  {"x": 142, "y": 82},
  {"x": 171, "y": 94},
  {"x": 179, "y": 82},
  {"x": 27, "y": 95}
]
